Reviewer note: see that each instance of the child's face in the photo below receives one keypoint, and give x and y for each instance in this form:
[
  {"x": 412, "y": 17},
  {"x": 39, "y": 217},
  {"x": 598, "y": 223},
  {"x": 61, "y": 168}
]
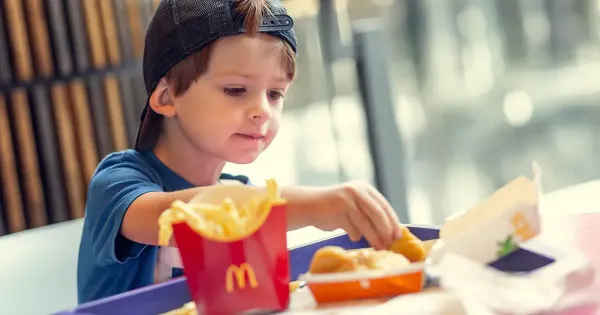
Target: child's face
[{"x": 233, "y": 110}]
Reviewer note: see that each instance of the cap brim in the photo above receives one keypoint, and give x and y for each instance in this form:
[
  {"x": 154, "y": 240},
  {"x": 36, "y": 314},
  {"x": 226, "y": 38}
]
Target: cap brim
[{"x": 148, "y": 131}]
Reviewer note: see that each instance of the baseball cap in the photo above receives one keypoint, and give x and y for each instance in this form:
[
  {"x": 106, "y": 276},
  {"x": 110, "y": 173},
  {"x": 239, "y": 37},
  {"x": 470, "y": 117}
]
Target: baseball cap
[{"x": 181, "y": 27}]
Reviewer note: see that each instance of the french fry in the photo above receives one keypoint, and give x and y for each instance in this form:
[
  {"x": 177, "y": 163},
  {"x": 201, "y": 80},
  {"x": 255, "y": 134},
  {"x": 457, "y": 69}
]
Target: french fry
[
  {"x": 187, "y": 309},
  {"x": 294, "y": 285},
  {"x": 227, "y": 221}
]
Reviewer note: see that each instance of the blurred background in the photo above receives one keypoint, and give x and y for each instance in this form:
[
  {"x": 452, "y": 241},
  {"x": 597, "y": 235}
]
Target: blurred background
[
  {"x": 438, "y": 103},
  {"x": 479, "y": 90}
]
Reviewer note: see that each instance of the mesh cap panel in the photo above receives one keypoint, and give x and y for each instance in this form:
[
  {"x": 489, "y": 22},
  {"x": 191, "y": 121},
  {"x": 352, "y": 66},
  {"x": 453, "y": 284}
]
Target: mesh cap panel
[{"x": 182, "y": 27}]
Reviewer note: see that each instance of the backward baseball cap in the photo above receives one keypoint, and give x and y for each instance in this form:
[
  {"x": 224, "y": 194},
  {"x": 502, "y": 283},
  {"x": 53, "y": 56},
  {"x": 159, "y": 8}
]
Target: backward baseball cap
[{"x": 181, "y": 27}]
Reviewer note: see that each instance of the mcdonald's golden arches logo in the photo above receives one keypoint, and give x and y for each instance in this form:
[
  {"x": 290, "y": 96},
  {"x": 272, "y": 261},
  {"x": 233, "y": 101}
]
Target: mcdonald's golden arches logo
[{"x": 239, "y": 273}]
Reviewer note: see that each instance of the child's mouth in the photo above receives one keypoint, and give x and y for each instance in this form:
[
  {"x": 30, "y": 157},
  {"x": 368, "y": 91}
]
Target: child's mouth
[{"x": 252, "y": 137}]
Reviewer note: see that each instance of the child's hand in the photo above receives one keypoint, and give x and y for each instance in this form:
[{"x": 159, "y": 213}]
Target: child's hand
[{"x": 360, "y": 210}]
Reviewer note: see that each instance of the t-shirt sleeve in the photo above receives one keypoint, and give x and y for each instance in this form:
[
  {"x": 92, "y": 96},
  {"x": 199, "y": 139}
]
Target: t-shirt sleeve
[{"x": 113, "y": 188}]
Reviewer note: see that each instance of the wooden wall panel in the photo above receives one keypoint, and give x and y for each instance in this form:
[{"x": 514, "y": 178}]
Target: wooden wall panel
[
  {"x": 31, "y": 184},
  {"x": 136, "y": 27},
  {"x": 80, "y": 107},
  {"x": 71, "y": 92},
  {"x": 49, "y": 154},
  {"x": 109, "y": 26},
  {"x": 115, "y": 113},
  {"x": 68, "y": 150},
  {"x": 94, "y": 33},
  {"x": 77, "y": 27},
  {"x": 40, "y": 40},
  {"x": 19, "y": 39},
  {"x": 5, "y": 64},
  {"x": 60, "y": 37},
  {"x": 11, "y": 194}
]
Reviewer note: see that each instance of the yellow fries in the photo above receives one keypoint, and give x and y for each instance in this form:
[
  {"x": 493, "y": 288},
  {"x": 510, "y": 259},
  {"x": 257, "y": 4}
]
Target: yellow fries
[
  {"x": 294, "y": 285},
  {"x": 227, "y": 221},
  {"x": 187, "y": 309}
]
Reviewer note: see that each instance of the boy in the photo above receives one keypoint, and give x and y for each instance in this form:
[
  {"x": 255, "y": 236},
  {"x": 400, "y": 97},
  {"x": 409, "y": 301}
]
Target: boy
[{"x": 216, "y": 84}]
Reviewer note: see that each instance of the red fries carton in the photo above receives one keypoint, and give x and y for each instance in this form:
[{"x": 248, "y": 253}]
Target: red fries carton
[{"x": 250, "y": 273}]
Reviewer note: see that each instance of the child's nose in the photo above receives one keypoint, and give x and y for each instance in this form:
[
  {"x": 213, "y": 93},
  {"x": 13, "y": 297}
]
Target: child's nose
[{"x": 261, "y": 110}]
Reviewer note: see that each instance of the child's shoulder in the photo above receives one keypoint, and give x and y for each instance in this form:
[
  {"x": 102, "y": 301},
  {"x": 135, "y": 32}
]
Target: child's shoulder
[
  {"x": 123, "y": 171},
  {"x": 126, "y": 163},
  {"x": 125, "y": 158}
]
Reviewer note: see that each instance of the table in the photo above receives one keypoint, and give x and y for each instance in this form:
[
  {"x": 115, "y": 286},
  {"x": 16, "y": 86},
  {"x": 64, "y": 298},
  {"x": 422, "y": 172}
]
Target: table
[
  {"x": 571, "y": 220},
  {"x": 40, "y": 263}
]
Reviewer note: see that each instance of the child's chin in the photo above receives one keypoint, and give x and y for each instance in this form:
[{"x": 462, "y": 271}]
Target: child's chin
[{"x": 245, "y": 159}]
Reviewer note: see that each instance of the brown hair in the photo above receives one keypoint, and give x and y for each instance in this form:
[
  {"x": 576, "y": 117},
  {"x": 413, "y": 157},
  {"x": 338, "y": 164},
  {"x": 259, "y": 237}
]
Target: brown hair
[{"x": 184, "y": 73}]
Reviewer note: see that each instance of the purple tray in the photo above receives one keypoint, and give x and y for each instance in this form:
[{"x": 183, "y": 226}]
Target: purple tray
[{"x": 164, "y": 297}]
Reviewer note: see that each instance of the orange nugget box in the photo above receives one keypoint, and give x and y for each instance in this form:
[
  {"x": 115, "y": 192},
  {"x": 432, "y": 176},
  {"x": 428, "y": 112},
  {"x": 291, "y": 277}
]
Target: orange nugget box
[
  {"x": 233, "y": 248},
  {"x": 366, "y": 284},
  {"x": 337, "y": 274}
]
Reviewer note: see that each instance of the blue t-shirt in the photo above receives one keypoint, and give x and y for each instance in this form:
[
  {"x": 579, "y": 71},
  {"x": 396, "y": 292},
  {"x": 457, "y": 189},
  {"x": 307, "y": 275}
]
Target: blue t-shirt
[{"x": 109, "y": 263}]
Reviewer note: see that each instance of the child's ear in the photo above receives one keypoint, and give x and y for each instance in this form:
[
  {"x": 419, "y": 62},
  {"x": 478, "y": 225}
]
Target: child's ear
[{"x": 162, "y": 101}]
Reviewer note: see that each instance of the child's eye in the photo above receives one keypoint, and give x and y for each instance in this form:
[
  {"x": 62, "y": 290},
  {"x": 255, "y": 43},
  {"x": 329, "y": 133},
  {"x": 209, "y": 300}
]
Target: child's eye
[
  {"x": 234, "y": 91},
  {"x": 275, "y": 95}
]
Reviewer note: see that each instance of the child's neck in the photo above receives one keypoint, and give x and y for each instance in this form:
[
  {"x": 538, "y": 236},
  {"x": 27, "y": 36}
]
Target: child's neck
[{"x": 198, "y": 168}]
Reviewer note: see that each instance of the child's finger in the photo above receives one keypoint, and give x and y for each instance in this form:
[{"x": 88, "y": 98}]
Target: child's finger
[
  {"x": 359, "y": 218},
  {"x": 376, "y": 216},
  {"x": 396, "y": 231},
  {"x": 352, "y": 230}
]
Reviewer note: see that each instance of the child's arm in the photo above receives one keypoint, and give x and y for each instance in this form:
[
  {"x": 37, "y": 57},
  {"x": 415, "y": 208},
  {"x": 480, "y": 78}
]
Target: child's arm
[
  {"x": 124, "y": 203},
  {"x": 355, "y": 207},
  {"x": 140, "y": 223}
]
